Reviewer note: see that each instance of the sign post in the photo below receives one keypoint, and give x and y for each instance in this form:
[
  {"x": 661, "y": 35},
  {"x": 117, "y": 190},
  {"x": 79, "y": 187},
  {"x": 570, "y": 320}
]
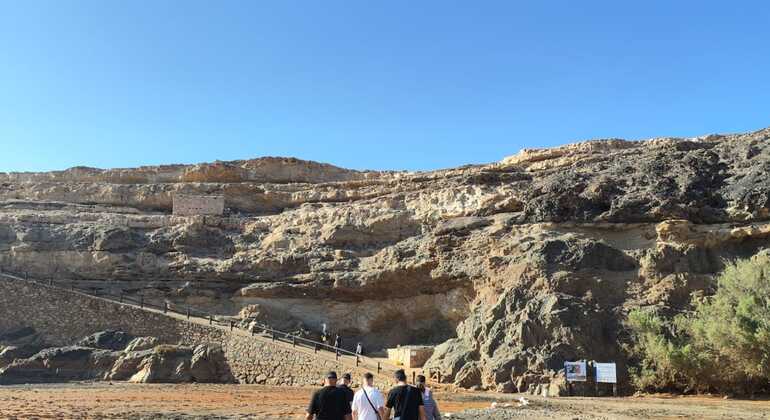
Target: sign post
[
  {"x": 575, "y": 372},
  {"x": 607, "y": 373}
]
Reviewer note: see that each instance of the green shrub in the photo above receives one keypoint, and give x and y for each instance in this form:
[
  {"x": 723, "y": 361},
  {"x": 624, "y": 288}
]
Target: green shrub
[{"x": 722, "y": 345}]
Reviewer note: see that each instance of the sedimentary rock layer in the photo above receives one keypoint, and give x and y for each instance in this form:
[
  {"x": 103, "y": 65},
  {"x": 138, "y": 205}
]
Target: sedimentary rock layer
[{"x": 510, "y": 267}]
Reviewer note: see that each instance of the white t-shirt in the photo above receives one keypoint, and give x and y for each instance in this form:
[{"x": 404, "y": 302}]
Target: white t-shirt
[{"x": 362, "y": 406}]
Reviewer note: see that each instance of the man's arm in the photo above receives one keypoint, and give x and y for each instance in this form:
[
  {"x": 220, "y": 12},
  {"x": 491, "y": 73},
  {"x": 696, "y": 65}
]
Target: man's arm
[
  {"x": 389, "y": 403},
  {"x": 311, "y": 409},
  {"x": 348, "y": 408}
]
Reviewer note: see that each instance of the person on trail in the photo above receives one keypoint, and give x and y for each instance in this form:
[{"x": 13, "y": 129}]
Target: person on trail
[
  {"x": 329, "y": 403},
  {"x": 368, "y": 403},
  {"x": 345, "y": 388},
  {"x": 359, "y": 349},
  {"x": 405, "y": 399},
  {"x": 337, "y": 341},
  {"x": 431, "y": 408}
]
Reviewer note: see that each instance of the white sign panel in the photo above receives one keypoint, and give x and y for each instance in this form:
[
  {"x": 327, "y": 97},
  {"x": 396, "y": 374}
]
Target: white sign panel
[{"x": 606, "y": 373}]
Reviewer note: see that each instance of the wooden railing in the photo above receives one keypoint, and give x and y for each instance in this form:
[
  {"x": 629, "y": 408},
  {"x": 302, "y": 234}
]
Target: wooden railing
[{"x": 189, "y": 312}]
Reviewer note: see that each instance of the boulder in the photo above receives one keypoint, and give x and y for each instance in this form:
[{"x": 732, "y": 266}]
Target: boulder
[
  {"x": 179, "y": 364},
  {"x": 141, "y": 343},
  {"x": 468, "y": 376},
  {"x": 107, "y": 340},
  {"x": 127, "y": 365},
  {"x": 208, "y": 365},
  {"x": 161, "y": 364},
  {"x": 9, "y": 354},
  {"x": 73, "y": 363}
]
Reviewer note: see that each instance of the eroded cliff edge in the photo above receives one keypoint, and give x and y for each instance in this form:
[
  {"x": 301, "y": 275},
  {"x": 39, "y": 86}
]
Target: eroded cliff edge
[{"x": 511, "y": 267}]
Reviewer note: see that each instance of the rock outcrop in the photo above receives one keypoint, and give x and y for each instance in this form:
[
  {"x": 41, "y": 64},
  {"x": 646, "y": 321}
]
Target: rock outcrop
[
  {"x": 109, "y": 355},
  {"x": 509, "y": 268},
  {"x": 19, "y": 343}
]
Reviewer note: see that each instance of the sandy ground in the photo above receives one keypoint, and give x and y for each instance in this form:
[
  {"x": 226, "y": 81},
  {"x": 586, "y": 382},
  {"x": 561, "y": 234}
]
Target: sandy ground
[{"x": 143, "y": 401}]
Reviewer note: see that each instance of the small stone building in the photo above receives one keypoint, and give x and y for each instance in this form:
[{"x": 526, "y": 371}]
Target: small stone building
[
  {"x": 194, "y": 205},
  {"x": 410, "y": 356}
]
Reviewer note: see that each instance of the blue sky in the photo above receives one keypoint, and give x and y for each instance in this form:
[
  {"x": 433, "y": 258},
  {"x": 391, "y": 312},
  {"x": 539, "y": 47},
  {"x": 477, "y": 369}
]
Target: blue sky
[{"x": 368, "y": 85}]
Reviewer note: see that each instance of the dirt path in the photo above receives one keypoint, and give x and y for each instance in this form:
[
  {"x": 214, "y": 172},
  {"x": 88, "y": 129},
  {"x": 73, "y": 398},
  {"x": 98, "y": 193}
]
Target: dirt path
[{"x": 154, "y": 401}]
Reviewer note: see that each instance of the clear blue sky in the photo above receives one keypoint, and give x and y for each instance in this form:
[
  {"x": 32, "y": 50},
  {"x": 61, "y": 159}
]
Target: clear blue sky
[{"x": 363, "y": 84}]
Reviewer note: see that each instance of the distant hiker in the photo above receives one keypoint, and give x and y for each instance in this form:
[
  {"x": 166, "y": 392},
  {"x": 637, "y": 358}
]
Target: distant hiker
[
  {"x": 337, "y": 341},
  {"x": 405, "y": 399},
  {"x": 345, "y": 388},
  {"x": 329, "y": 403},
  {"x": 368, "y": 403},
  {"x": 323, "y": 329},
  {"x": 359, "y": 349},
  {"x": 431, "y": 408}
]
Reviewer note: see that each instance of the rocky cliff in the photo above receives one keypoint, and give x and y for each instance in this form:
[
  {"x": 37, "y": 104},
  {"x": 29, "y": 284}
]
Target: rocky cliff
[{"x": 510, "y": 267}]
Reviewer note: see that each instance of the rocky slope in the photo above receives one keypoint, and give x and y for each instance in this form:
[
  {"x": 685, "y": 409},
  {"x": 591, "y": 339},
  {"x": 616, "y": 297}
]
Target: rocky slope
[{"x": 510, "y": 267}]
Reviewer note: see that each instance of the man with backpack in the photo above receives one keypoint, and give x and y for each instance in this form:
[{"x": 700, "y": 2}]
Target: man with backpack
[
  {"x": 405, "y": 400},
  {"x": 368, "y": 402}
]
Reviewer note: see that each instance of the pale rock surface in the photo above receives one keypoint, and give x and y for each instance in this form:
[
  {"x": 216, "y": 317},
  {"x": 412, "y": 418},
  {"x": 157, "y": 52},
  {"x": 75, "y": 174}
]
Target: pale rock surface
[{"x": 510, "y": 267}]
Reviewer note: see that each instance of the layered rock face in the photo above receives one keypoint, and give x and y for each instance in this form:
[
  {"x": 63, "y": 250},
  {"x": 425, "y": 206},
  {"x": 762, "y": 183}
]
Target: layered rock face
[{"x": 510, "y": 267}]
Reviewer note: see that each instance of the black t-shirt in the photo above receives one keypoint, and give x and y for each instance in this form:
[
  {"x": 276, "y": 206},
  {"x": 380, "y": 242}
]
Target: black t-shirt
[
  {"x": 329, "y": 403},
  {"x": 349, "y": 394},
  {"x": 406, "y": 409}
]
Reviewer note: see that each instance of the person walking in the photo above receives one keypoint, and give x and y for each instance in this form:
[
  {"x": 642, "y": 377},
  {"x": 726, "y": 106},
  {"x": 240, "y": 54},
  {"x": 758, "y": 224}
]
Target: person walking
[
  {"x": 329, "y": 403},
  {"x": 337, "y": 341},
  {"x": 368, "y": 402},
  {"x": 431, "y": 407},
  {"x": 345, "y": 388},
  {"x": 405, "y": 400},
  {"x": 359, "y": 349}
]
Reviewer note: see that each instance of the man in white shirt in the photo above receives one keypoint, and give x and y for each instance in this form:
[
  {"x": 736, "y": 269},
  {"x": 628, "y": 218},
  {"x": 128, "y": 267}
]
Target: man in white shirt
[{"x": 368, "y": 403}]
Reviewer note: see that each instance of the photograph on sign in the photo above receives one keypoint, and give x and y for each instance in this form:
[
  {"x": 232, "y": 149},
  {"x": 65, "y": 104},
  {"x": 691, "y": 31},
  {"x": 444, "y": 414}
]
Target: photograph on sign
[
  {"x": 606, "y": 373},
  {"x": 575, "y": 371}
]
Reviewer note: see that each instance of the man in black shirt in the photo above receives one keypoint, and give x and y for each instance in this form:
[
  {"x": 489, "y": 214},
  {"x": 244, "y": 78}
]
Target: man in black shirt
[
  {"x": 405, "y": 399},
  {"x": 329, "y": 402},
  {"x": 345, "y": 388}
]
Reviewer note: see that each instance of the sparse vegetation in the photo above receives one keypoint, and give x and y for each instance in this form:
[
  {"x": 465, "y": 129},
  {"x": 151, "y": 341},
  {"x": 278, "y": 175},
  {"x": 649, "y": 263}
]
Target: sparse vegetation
[{"x": 722, "y": 345}]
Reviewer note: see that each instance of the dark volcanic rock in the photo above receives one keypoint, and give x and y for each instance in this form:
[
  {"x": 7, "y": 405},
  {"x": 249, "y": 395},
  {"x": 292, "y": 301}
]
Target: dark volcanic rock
[
  {"x": 63, "y": 364},
  {"x": 107, "y": 340},
  {"x": 159, "y": 364}
]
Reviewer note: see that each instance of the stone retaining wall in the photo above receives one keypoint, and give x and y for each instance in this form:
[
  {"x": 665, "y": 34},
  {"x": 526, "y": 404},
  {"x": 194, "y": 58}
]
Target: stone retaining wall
[{"x": 64, "y": 317}]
